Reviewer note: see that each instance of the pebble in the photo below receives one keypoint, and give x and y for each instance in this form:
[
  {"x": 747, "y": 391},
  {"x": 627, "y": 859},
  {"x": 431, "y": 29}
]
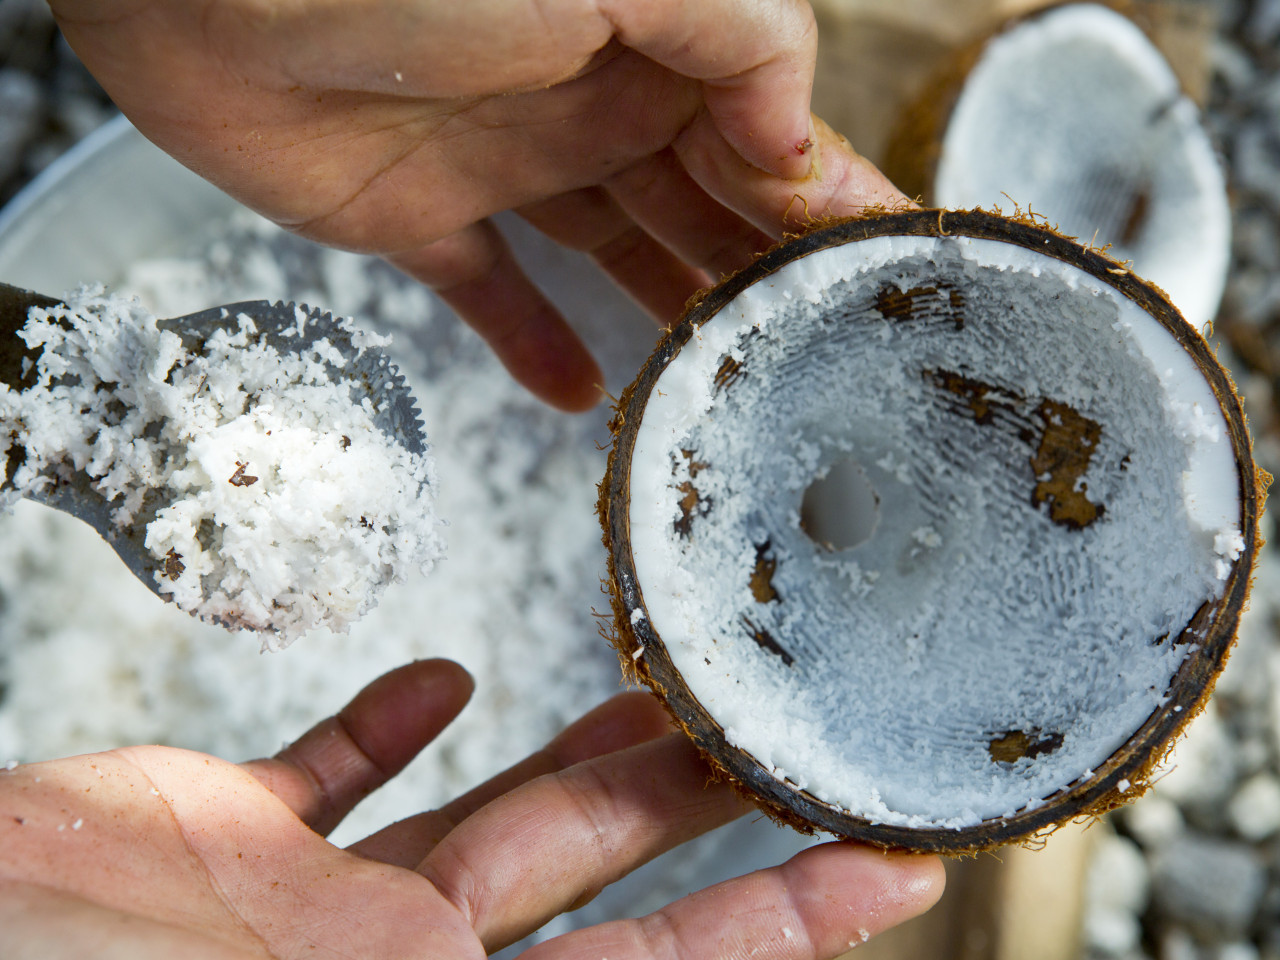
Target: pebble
[
  {"x": 26, "y": 34},
  {"x": 1270, "y": 943},
  {"x": 1177, "y": 944},
  {"x": 1256, "y": 163},
  {"x": 1257, "y": 233},
  {"x": 1209, "y": 886},
  {"x": 47, "y": 98},
  {"x": 1255, "y": 809},
  {"x": 1117, "y": 875},
  {"x": 22, "y": 106},
  {"x": 1232, "y": 66},
  {"x": 1267, "y": 102},
  {"x": 1240, "y": 950},
  {"x": 1204, "y": 771},
  {"x": 1112, "y": 931},
  {"x": 1154, "y": 820},
  {"x": 1264, "y": 24},
  {"x": 1116, "y": 889},
  {"x": 1254, "y": 754}
]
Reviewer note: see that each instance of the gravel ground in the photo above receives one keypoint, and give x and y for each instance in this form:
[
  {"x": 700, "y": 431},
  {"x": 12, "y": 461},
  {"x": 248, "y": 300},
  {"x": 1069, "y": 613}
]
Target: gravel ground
[
  {"x": 48, "y": 100},
  {"x": 1192, "y": 871}
]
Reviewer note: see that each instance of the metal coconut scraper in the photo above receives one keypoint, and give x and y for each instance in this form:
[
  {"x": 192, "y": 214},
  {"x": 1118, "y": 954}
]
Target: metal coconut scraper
[{"x": 368, "y": 372}]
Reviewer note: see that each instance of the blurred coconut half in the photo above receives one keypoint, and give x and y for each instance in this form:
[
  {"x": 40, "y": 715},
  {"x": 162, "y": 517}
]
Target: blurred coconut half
[
  {"x": 1074, "y": 112},
  {"x": 932, "y": 529}
]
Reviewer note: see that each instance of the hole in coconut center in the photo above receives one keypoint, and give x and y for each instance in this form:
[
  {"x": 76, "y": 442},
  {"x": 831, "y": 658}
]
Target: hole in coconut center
[{"x": 840, "y": 510}]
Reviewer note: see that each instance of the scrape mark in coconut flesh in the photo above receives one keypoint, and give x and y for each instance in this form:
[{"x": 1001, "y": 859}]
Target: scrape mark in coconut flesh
[{"x": 1064, "y": 442}]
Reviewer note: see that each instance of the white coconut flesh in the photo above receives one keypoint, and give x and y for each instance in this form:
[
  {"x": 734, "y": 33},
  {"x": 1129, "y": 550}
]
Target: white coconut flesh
[
  {"x": 1075, "y": 113},
  {"x": 920, "y": 522}
]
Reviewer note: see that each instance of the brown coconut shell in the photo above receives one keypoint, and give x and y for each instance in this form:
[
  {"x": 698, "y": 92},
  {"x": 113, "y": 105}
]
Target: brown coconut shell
[{"x": 1128, "y": 771}]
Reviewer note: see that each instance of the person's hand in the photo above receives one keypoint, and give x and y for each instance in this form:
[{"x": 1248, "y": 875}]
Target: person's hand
[
  {"x": 669, "y": 139},
  {"x": 159, "y": 852}
]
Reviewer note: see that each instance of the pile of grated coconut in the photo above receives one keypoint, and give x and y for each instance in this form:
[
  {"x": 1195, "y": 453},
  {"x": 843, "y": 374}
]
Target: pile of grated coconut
[{"x": 271, "y": 500}]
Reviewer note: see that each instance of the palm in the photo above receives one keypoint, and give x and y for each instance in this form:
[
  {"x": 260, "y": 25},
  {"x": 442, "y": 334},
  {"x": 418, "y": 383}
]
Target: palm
[
  {"x": 232, "y": 871},
  {"x": 148, "y": 851},
  {"x": 655, "y": 136}
]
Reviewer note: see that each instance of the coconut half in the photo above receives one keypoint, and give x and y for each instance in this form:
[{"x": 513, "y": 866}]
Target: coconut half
[
  {"x": 932, "y": 529},
  {"x": 1074, "y": 112}
]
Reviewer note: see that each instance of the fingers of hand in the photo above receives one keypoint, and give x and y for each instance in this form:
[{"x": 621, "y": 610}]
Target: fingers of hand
[
  {"x": 618, "y": 723},
  {"x": 338, "y": 762},
  {"x": 621, "y": 722},
  {"x": 821, "y": 903},
  {"x": 655, "y": 231},
  {"x": 842, "y": 182},
  {"x": 554, "y": 843},
  {"x": 474, "y": 272},
  {"x": 757, "y": 59},
  {"x": 659, "y": 194},
  {"x": 590, "y": 220}
]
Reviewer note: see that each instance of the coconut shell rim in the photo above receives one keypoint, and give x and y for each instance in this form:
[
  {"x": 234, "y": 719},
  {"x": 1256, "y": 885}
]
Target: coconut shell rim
[{"x": 644, "y": 657}]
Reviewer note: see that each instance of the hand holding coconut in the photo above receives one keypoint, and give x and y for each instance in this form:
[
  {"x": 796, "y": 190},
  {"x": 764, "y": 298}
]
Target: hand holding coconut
[
  {"x": 671, "y": 141},
  {"x": 233, "y": 864}
]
